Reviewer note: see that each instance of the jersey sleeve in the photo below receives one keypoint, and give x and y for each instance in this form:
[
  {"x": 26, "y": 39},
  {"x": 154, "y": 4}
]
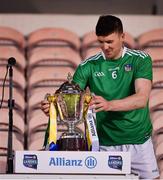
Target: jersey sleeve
[
  {"x": 81, "y": 76},
  {"x": 144, "y": 68}
]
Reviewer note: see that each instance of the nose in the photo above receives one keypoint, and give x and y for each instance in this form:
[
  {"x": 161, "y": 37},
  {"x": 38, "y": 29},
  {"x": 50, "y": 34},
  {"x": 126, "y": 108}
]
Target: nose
[{"x": 105, "y": 45}]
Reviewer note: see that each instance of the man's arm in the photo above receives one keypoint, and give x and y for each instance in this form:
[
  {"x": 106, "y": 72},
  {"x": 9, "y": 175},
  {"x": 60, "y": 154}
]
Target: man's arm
[{"x": 135, "y": 101}]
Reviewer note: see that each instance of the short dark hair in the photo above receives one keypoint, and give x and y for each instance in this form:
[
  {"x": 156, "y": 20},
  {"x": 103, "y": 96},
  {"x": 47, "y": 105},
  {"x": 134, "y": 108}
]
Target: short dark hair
[{"x": 108, "y": 24}]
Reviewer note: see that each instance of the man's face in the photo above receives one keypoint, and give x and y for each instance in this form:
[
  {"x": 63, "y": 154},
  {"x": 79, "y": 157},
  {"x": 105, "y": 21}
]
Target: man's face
[{"x": 112, "y": 45}]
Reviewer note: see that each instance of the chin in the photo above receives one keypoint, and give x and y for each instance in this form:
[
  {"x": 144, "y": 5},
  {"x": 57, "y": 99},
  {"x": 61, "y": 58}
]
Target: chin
[{"x": 108, "y": 57}]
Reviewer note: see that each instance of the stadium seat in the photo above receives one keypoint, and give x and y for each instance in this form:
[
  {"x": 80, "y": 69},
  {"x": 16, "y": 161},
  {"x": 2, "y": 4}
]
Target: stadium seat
[
  {"x": 36, "y": 118},
  {"x": 17, "y": 95},
  {"x": 158, "y": 150},
  {"x": 160, "y": 165},
  {"x": 50, "y": 37},
  {"x": 18, "y": 119},
  {"x": 36, "y": 137},
  {"x": 18, "y": 77},
  {"x": 152, "y": 38},
  {"x": 55, "y": 55},
  {"x": 158, "y": 124},
  {"x": 43, "y": 73},
  {"x": 12, "y": 37},
  {"x": 157, "y": 77},
  {"x": 17, "y": 143},
  {"x": 18, "y": 140},
  {"x": 155, "y": 100},
  {"x": 156, "y": 55},
  {"x": 11, "y": 51},
  {"x": 3, "y": 160}
]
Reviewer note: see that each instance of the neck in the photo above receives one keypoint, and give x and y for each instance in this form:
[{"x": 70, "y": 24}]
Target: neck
[{"x": 119, "y": 54}]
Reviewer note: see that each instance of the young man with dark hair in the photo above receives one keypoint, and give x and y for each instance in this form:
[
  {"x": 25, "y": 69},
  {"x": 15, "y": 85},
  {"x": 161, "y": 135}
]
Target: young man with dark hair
[{"x": 121, "y": 80}]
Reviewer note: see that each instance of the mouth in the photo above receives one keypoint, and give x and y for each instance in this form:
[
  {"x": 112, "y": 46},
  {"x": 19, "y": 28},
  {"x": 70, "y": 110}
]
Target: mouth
[{"x": 108, "y": 53}]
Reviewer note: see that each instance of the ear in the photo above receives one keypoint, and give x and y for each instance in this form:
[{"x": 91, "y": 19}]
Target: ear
[{"x": 123, "y": 35}]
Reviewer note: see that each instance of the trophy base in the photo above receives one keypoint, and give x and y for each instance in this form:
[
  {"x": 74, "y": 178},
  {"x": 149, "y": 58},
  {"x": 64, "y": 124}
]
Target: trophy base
[{"x": 72, "y": 144}]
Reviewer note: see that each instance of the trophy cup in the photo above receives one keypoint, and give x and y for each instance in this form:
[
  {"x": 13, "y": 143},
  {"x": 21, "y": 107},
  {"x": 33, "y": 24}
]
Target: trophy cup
[{"x": 69, "y": 105}]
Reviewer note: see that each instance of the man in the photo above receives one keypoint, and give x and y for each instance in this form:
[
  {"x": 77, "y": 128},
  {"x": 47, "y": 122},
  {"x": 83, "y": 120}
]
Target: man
[{"x": 121, "y": 80}]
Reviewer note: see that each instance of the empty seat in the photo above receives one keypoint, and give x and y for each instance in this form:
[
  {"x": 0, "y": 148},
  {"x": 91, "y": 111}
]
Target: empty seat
[
  {"x": 50, "y": 37},
  {"x": 17, "y": 95},
  {"x": 156, "y": 99},
  {"x": 157, "y": 78},
  {"x": 159, "y": 152},
  {"x": 156, "y": 114},
  {"x": 43, "y": 73},
  {"x": 18, "y": 77},
  {"x": 160, "y": 165},
  {"x": 36, "y": 118},
  {"x": 7, "y": 52},
  {"x": 156, "y": 55},
  {"x": 36, "y": 137},
  {"x": 3, "y": 162},
  {"x": 18, "y": 119},
  {"x": 18, "y": 129},
  {"x": 12, "y": 37},
  {"x": 58, "y": 56},
  {"x": 158, "y": 124},
  {"x": 152, "y": 38},
  {"x": 18, "y": 142},
  {"x": 157, "y": 139}
]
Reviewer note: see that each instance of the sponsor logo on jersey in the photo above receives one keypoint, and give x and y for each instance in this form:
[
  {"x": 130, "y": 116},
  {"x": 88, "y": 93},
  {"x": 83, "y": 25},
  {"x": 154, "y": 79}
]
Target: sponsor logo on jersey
[
  {"x": 128, "y": 67},
  {"x": 99, "y": 74}
]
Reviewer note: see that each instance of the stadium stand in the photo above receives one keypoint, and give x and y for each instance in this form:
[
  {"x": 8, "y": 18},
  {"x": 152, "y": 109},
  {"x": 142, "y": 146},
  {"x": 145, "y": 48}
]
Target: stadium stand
[
  {"x": 90, "y": 45},
  {"x": 44, "y": 58}
]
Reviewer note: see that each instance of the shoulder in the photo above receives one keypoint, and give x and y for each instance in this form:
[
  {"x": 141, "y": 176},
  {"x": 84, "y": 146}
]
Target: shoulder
[
  {"x": 93, "y": 59},
  {"x": 137, "y": 53}
]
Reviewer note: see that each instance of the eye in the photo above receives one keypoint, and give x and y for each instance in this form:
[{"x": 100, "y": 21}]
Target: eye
[
  {"x": 109, "y": 42},
  {"x": 100, "y": 41}
]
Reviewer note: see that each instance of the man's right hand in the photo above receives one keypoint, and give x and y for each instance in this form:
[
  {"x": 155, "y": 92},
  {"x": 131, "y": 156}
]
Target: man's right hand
[{"x": 45, "y": 105}]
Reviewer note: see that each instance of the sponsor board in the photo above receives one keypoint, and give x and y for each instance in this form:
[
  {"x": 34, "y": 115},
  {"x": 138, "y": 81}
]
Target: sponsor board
[{"x": 82, "y": 162}]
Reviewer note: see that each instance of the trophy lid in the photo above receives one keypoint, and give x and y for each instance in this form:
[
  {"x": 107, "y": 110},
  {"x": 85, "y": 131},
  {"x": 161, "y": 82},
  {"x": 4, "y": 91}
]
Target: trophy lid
[{"x": 69, "y": 87}]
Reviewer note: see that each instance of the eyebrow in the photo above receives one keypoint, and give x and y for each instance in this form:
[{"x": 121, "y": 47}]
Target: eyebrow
[{"x": 108, "y": 41}]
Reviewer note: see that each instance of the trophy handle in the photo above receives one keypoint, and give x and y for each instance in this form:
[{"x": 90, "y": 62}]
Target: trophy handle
[{"x": 87, "y": 100}]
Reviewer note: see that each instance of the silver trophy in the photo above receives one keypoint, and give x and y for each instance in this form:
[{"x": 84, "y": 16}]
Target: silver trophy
[{"x": 72, "y": 105}]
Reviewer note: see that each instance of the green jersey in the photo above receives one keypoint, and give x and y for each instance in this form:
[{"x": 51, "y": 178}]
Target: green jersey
[{"x": 114, "y": 79}]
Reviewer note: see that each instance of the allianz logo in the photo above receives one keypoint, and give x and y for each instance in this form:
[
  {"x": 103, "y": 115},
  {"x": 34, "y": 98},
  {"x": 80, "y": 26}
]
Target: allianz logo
[
  {"x": 61, "y": 161},
  {"x": 89, "y": 162},
  {"x": 99, "y": 74}
]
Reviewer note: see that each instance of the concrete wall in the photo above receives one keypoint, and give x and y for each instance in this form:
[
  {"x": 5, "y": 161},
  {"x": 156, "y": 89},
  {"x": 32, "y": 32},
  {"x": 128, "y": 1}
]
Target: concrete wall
[
  {"x": 26, "y": 23},
  {"x": 82, "y": 6}
]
